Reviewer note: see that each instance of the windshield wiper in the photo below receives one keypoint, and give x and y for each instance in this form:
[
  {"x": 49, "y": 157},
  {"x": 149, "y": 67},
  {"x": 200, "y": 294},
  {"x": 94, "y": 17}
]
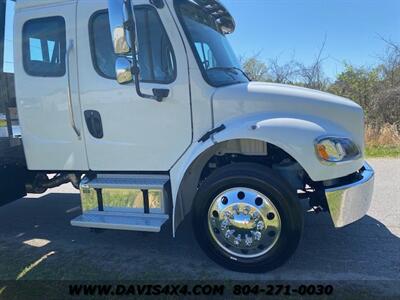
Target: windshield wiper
[{"x": 231, "y": 70}]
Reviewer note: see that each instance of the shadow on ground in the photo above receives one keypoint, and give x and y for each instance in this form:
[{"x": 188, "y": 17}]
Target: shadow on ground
[{"x": 37, "y": 242}]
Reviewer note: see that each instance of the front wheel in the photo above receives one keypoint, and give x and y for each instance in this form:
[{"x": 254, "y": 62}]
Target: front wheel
[{"x": 247, "y": 218}]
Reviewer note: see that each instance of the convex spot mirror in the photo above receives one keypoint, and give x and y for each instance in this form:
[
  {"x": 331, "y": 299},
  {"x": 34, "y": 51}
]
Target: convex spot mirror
[{"x": 123, "y": 70}]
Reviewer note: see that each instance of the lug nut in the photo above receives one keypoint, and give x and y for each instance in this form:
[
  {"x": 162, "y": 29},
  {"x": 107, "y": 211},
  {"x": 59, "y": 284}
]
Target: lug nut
[
  {"x": 248, "y": 240},
  {"x": 225, "y": 224},
  {"x": 237, "y": 240},
  {"x": 257, "y": 235},
  {"x": 229, "y": 233},
  {"x": 260, "y": 225}
]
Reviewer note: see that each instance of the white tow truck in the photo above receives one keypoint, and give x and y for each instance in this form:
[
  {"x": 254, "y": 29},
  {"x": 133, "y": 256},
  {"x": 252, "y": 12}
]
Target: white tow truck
[{"x": 142, "y": 105}]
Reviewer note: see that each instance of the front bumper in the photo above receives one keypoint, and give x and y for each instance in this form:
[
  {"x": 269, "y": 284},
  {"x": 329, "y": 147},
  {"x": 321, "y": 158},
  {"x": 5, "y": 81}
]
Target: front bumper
[{"x": 350, "y": 202}]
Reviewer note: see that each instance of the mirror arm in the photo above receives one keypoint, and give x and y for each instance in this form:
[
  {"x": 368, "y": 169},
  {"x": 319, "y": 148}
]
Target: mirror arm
[
  {"x": 135, "y": 71},
  {"x": 135, "y": 68}
]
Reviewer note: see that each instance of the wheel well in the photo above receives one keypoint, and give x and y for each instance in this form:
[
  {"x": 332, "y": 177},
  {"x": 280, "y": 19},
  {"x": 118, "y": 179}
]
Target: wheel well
[
  {"x": 254, "y": 151},
  {"x": 234, "y": 151}
]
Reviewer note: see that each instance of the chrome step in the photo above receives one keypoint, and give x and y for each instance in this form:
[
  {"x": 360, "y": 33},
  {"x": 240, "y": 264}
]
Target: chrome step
[
  {"x": 121, "y": 221},
  {"x": 125, "y": 193},
  {"x": 124, "y": 202},
  {"x": 116, "y": 181}
]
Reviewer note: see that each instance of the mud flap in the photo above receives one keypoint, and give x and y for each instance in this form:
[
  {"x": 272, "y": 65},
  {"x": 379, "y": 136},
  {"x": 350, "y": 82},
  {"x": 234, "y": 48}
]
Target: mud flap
[{"x": 12, "y": 183}]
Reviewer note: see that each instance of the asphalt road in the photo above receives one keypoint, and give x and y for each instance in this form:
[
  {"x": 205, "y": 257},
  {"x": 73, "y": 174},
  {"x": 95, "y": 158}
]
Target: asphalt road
[{"x": 37, "y": 242}]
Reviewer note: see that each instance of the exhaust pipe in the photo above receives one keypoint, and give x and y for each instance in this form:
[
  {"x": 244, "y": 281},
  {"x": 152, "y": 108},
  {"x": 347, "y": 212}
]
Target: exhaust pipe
[{"x": 42, "y": 183}]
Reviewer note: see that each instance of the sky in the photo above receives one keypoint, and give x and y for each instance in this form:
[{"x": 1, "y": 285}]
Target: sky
[
  {"x": 287, "y": 28},
  {"x": 297, "y": 29},
  {"x": 8, "y": 45}
]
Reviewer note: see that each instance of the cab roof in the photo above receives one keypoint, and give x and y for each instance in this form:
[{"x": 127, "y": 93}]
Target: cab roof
[{"x": 21, "y": 4}]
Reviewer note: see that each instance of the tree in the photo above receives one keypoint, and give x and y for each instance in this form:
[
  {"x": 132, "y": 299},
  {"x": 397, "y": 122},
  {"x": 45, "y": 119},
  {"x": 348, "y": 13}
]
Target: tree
[
  {"x": 359, "y": 84},
  {"x": 386, "y": 107},
  {"x": 312, "y": 76},
  {"x": 390, "y": 64},
  {"x": 376, "y": 89},
  {"x": 255, "y": 68},
  {"x": 282, "y": 73}
]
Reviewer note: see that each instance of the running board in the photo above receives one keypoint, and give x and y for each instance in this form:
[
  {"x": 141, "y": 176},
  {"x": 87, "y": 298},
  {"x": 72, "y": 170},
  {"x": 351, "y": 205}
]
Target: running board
[
  {"x": 136, "y": 202},
  {"x": 130, "y": 222},
  {"x": 115, "y": 181}
]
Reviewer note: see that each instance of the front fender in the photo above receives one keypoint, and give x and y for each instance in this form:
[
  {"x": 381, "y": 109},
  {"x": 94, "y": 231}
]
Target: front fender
[{"x": 295, "y": 135}]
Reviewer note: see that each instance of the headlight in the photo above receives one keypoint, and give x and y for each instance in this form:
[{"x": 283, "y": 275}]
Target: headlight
[{"x": 334, "y": 149}]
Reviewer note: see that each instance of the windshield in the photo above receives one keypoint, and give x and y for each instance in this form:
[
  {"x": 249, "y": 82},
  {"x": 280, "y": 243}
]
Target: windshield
[{"x": 214, "y": 54}]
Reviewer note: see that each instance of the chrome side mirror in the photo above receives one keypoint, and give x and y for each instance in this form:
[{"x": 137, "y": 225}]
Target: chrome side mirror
[
  {"x": 123, "y": 70},
  {"x": 123, "y": 31},
  {"x": 118, "y": 15}
]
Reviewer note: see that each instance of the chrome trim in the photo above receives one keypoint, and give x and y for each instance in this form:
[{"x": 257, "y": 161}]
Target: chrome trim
[
  {"x": 332, "y": 163},
  {"x": 349, "y": 203},
  {"x": 69, "y": 94},
  {"x": 123, "y": 67},
  {"x": 244, "y": 222},
  {"x": 121, "y": 221},
  {"x": 117, "y": 17},
  {"x": 124, "y": 193}
]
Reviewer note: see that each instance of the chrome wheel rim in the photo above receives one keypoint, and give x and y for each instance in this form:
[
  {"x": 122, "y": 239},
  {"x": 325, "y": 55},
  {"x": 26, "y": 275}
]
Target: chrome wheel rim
[{"x": 244, "y": 222}]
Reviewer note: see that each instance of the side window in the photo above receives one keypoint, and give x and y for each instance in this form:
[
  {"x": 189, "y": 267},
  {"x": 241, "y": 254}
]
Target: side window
[
  {"x": 206, "y": 55},
  {"x": 102, "y": 48},
  {"x": 44, "y": 46},
  {"x": 155, "y": 56}
]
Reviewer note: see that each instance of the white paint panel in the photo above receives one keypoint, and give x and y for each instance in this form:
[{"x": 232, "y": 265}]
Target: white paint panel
[
  {"x": 139, "y": 134},
  {"x": 50, "y": 143}
]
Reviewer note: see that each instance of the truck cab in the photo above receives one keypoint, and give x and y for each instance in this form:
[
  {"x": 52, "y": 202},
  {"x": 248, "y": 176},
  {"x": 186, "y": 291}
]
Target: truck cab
[{"x": 143, "y": 106}]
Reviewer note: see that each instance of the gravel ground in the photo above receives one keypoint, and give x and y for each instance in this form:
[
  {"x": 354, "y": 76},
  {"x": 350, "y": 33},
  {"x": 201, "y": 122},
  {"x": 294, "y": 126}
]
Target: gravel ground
[{"x": 37, "y": 242}]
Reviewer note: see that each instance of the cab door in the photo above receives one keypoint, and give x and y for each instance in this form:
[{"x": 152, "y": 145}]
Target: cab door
[
  {"x": 47, "y": 87},
  {"x": 123, "y": 131}
]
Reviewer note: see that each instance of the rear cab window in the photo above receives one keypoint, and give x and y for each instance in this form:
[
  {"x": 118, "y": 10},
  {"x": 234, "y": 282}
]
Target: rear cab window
[{"x": 44, "y": 47}]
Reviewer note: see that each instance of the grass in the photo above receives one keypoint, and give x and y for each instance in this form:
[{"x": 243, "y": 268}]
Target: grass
[
  {"x": 383, "y": 151},
  {"x": 121, "y": 198},
  {"x": 383, "y": 141}
]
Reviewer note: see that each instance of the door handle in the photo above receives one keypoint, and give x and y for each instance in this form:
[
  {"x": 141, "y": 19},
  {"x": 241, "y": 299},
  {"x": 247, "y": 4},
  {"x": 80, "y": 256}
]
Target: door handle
[
  {"x": 70, "y": 46},
  {"x": 94, "y": 123}
]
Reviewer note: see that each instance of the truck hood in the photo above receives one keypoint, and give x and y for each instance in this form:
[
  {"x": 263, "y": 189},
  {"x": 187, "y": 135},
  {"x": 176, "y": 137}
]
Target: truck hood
[{"x": 278, "y": 100}]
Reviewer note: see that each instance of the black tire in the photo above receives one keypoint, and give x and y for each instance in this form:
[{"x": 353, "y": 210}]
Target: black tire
[{"x": 269, "y": 183}]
